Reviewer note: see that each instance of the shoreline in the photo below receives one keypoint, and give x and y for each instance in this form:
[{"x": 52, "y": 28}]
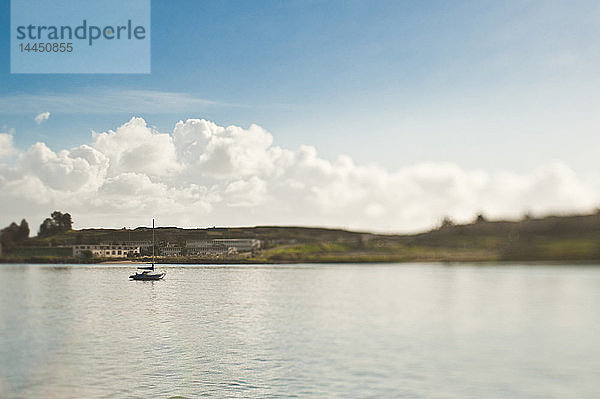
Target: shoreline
[{"x": 200, "y": 262}]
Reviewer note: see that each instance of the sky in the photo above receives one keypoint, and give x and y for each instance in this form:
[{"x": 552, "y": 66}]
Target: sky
[{"x": 380, "y": 116}]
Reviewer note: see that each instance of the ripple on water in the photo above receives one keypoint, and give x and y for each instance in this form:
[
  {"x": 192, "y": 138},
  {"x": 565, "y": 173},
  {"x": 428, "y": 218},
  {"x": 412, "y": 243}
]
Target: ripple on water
[{"x": 347, "y": 331}]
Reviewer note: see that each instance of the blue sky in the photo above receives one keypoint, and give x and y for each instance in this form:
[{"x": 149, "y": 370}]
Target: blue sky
[
  {"x": 485, "y": 85},
  {"x": 427, "y": 78}
]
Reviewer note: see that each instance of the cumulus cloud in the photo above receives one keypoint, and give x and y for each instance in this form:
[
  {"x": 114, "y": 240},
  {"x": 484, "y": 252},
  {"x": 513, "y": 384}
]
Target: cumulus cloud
[
  {"x": 7, "y": 148},
  {"x": 202, "y": 174},
  {"x": 134, "y": 147},
  {"x": 80, "y": 169},
  {"x": 224, "y": 151},
  {"x": 41, "y": 117}
]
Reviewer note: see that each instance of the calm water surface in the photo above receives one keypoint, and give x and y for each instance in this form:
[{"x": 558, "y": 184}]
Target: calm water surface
[{"x": 381, "y": 331}]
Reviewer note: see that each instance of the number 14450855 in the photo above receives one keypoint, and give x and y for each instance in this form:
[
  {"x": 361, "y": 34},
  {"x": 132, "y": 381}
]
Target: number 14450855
[{"x": 41, "y": 47}]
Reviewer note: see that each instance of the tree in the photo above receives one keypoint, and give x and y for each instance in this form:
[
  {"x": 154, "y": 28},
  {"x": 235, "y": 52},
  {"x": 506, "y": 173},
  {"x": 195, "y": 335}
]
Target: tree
[
  {"x": 58, "y": 223},
  {"x": 63, "y": 220},
  {"x": 446, "y": 222},
  {"x": 14, "y": 233},
  {"x": 23, "y": 232},
  {"x": 87, "y": 254}
]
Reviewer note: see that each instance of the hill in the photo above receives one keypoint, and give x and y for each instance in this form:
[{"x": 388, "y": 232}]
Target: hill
[{"x": 552, "y": 238}]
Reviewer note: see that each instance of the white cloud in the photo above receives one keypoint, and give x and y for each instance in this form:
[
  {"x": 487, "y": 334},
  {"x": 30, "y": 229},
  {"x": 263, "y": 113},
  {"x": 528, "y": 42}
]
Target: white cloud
[
  {"x": 203, "y": 174},
  {"x": 41, "y": 117},
  {"x": 244, "y": 193},
  {"x": 7, "y": 148},
  {"x": 224, "y": 152},
  {"x": 134, "y": 147},
  {"x": 79, "y": 169}
]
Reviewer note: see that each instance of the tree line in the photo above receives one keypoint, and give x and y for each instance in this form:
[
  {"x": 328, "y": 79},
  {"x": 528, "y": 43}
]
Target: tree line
[
  {"x": 14, "y": 233},
  {"x": 58, "y": 222}
]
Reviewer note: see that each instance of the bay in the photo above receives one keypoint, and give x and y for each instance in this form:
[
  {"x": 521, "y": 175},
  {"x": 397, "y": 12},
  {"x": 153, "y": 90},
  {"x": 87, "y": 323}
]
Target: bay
[{"x": 260, "y": 331}]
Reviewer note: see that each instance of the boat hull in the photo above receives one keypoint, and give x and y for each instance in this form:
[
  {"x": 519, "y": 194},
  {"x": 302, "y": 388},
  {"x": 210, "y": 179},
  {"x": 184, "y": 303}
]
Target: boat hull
[{"x": 147, "y": 276}]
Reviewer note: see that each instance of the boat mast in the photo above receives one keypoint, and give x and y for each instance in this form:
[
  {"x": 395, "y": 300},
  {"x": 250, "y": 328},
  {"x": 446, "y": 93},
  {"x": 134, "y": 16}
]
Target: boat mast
[{"x": 153, "y": 244}]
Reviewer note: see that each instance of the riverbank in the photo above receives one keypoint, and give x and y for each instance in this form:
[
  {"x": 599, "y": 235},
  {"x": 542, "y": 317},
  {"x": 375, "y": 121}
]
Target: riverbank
[{"x": 311, "y": 260}]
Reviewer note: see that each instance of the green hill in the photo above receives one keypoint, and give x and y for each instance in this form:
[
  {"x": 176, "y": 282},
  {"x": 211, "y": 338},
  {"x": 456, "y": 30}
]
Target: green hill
[{"x": 552, "y": 238}]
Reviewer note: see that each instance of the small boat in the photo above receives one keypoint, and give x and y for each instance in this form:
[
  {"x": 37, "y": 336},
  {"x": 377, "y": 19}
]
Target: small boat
[{"x": 146, "y": 275}]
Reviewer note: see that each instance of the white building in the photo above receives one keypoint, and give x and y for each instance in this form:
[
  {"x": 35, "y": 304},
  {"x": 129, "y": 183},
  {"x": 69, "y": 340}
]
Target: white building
[
  {"x": 170, "y": 251},
  {"x": 141, "y": 243},
  {"x": 106, "y": 250},
  {"x": 222, "y": 246}
]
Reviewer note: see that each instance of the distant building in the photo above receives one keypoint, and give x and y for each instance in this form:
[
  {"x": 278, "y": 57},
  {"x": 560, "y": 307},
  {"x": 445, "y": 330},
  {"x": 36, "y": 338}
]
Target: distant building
[
  {"x": 140, "y": 243},
  {"x": 222, "y": 246},
  {"x": 106, "y": 250},
  {"x": 170, "y": 250}
]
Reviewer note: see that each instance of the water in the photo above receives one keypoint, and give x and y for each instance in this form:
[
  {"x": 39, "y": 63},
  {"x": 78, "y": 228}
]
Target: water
[{"x": 347, "y": 331}]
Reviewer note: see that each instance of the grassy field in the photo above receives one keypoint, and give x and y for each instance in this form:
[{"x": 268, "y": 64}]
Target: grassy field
[{"x": 28, "y": 252}]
